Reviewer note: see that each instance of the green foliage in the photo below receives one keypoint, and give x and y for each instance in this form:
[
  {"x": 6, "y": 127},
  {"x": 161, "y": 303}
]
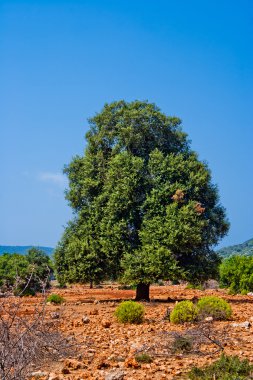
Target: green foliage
[
  {"x": 184, "y": 311},
  {"x": 195, "y": 286},
  {"x": 127, "y": 287},
  {"x": 236, "y": 273},
  {"x": 77, "y": 259},
  {"x": 149, "y": 265},
  {"x": 145, "y": 207},
  {"x": 55, "y": 298},
  {"x": 226, "y": 368},
  {"x": 130, "y": 312},
  {"x": 12, "y": 268},
  {"x": 25, "y": 274},
  {"x": 42, "y": 268},
  {"x": 244, "y": 249},
  {"x": 211, "y": 306},
  {"x": 182, "y": 344},
  {"x": 143, "y": 358}
]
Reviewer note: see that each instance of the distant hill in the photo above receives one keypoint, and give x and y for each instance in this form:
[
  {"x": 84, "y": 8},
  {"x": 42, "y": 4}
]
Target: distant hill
[
  {"x": 244, "y": 249},
  {"x": 22, "y": 250}
]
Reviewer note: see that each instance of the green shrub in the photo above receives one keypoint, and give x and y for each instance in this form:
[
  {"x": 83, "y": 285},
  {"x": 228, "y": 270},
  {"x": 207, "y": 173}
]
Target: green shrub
[
  {"x": 194, "y": 286},
  {"x": 182, "y": 344},
  {"x": 236, "y": 273},
  {"x": 25, "y": 274},
  {"x": 143, "y": 358},
  {"x": 184, "y": 311},
  {"x": 22, "y": 291},
  {"x": 127, "y": 287},
  {"x": 211, "y": 306},
  {"x": 55, "y": 298},
  {"x": 226, "y": 368},
  {"x": 130, "y": 312}
]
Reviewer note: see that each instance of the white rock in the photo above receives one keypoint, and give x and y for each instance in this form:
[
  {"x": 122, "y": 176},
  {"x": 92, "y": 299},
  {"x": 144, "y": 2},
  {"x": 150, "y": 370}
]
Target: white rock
[
  {"x": 85, "y": 319},
  {"x": 39, "y": 374},
  {"x": 208, "y": 319},
  {"x": 246, "y": 324},
  {"x": 115, "y": 375}
]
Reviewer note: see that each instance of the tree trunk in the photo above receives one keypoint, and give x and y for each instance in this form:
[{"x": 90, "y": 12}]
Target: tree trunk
[
  {"x": 91, "y": 284},
  {"x": 142, "y": 292}
]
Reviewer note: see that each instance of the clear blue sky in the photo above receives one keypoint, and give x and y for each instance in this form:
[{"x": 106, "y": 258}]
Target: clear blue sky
[{"x": 60, "y": 61}]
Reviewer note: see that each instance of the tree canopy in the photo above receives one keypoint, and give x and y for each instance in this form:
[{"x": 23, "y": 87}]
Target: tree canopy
[{"x": 144, "y": 204}]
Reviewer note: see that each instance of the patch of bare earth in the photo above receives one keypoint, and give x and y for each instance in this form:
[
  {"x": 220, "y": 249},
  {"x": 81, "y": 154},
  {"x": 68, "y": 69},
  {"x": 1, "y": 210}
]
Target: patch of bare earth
[{"x": 107, "y": 349}]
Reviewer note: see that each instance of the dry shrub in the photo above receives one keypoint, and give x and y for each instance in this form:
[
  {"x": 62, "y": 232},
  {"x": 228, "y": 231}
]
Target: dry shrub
[{"x": 27, "y": 338}]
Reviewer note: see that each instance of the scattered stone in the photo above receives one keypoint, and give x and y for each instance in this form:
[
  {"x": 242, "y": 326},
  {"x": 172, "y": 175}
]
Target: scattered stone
[
  {"x": 96, "y": 302},
  {"x": 85, "y": 319},
  {"x": 102, "y": 364},
  {"x": 77, "y": 323},
  {"x": 246, "y": 324},
  {"x": 115, "y": 375},
  {"x": 39, "y": 374},
  {"x": 250, "y": 294},
  {"x": 208, "y": 319},
  {"x": 53, "y": 376},
  {"x": 94, "y": 312},
  {"x": 65, "y": 371},
  {"x": 55, "y": 315},
  {"x": 73, "y": 363},
  {"x": 131, "y": 363},
  {"x": 106, "y": 323}
]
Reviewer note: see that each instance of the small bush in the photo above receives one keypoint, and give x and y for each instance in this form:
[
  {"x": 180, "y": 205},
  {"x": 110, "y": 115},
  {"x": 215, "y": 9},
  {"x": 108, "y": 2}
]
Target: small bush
[
  {"x": 143, "y": 358},
  {"x": 124, "y": 287},
  {"x": 130, "y": 312},
  {"x": 184, "y": 311},
  {"x": 20, "y": 291},
  {"x": 182, "y": 344},
  {"x": 195, "y": 286},
  {"x": 226, "y": 368},
  {"x": 236, "y": 273},
  {"x": 55, "y": 298},
  {"x": 211, "y": 306}
]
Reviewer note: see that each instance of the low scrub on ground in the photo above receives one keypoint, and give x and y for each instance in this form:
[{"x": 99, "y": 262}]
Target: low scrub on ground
[
  {"x": 215, "y": 307},
  {"x": 209, "y": 306},
  {"x": 226, "y": 368},
  {"x": 184, "y": 311},
  {"x": 130, "y": 312},
  {"x": 55, "y": 298}
]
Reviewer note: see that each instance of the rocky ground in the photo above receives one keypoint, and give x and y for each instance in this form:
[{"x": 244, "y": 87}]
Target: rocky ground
[{"x": 106, "y": 349}]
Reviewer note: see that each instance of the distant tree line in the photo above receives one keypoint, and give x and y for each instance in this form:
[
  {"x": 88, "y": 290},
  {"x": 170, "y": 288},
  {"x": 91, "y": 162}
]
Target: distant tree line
[{"x": 25, "y": 274}]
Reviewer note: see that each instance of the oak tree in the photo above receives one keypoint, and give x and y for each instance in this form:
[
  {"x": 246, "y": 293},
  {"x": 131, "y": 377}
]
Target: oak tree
[{"x": 145, "y": 207}]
